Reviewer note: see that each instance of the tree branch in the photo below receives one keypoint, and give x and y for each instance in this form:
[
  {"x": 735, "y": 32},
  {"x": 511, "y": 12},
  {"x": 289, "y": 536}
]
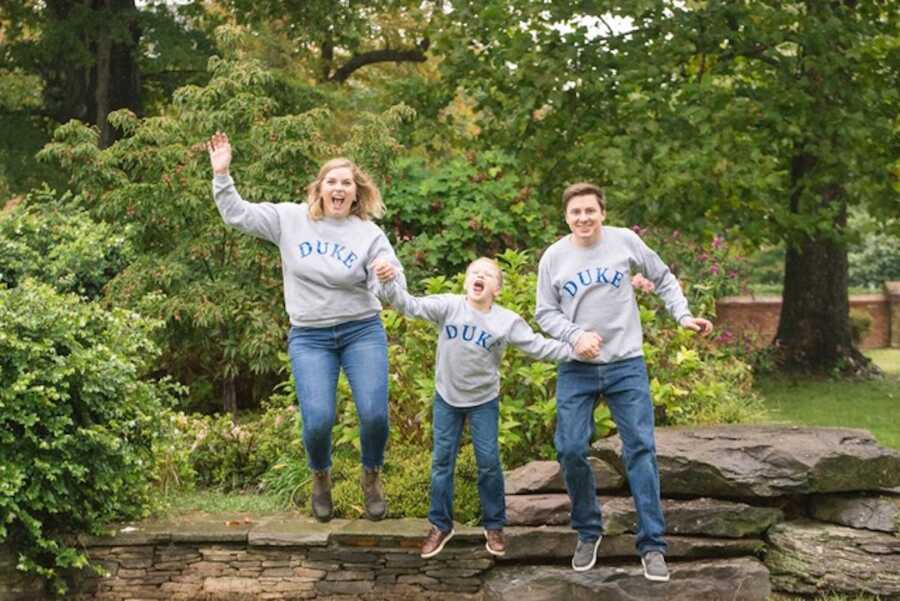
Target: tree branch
[
  {"x": 758, "y": 52},
  {"x": 387, "y": 55}
]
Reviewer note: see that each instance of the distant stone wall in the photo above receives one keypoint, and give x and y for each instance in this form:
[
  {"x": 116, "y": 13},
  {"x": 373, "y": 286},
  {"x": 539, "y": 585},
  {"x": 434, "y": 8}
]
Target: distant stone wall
[{"x": 755, "y": 318}]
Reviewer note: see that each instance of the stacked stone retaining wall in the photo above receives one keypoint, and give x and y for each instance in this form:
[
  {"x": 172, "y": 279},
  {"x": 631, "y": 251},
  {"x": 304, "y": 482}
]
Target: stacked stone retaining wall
[{"x": 749, "y": 510}]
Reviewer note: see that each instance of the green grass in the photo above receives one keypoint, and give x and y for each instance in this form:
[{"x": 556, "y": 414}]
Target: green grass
[
  {"x": 214, "y": 501},
  {"x": 872, "y": 405}
]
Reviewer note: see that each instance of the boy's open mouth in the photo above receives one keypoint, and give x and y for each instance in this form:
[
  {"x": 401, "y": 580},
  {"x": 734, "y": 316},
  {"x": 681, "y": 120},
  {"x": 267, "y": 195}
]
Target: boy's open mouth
[{"x": 478, "y": 287}]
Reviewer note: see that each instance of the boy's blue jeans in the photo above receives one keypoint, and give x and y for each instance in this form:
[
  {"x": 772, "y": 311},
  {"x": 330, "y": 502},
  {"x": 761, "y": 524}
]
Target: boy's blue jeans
[
  {"x": 447, "y": 427},
  {"x": 317, "y": 356},
  {"x": 626, "y": 388}
]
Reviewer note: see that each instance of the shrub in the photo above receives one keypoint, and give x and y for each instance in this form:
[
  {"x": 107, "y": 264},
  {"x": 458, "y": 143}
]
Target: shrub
[
  {"x": 226, "y": 455},
  {"x": 444, "y": 216},
  {"x": 77, "y": 421},
  {"x": 51, "y": 239},
  {"x": 860, "y": 324}
]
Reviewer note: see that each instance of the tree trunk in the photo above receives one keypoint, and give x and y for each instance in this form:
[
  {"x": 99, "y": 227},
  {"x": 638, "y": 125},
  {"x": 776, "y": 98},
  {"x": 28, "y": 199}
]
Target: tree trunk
[
  {"x": 90, "y": 92},
  {"x": 814, "y": 327},
  {"x": 229, "y": 398}
]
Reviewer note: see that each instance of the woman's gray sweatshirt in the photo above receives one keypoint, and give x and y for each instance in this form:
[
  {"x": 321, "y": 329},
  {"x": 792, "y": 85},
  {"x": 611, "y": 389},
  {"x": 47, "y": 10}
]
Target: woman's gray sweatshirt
[
  {"x": 324, "y": 263},
  {"x": 471, "y": 343},
  {"x": 589, "y": 289}
]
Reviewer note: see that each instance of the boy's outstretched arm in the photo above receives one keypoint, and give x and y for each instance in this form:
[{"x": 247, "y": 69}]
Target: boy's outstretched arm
[{"x": 534, "y": 345}]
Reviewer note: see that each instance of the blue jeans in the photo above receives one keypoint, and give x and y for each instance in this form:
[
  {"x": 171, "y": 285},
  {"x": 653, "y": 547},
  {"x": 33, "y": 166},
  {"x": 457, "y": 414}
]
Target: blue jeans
[
  {"x": 626, "y": 388},
  {"x": 317, "y": 356},
  {"x": 447, "y": 426}
]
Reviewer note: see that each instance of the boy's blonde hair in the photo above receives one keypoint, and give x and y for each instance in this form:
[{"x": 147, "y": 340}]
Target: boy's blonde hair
[
  {"x": 368, "y": 203},
  {"x": 493, "y": 264}
]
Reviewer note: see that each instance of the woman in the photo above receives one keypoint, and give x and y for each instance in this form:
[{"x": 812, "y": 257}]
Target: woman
[{"x": 327, "y": 245}]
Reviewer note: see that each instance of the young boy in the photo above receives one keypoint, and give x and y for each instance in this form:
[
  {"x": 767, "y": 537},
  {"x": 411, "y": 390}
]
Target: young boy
[{"x": 474, "y": 332}]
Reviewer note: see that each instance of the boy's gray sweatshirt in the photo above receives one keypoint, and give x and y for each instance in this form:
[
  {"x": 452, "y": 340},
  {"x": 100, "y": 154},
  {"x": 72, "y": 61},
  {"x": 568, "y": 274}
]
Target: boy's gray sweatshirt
[
  {"x": 324, "y": 263},
  {"x": 471, "y": 343},
  {"x": 589, "y": 289}
]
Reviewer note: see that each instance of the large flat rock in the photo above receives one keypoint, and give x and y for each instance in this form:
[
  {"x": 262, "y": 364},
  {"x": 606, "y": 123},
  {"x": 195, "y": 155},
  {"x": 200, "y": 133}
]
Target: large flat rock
[
  {"x": 742, "y": 579},
  {"x": 546, "y": 477},
  {"x": 558, "y": 543},
  {"x": 811, "y": 557},
  {"x": 291, "y": 530},
  {"x": 875, "y": 512},
  {"x": 707, "y": 517},
  {"x": 765, "y": 461}
]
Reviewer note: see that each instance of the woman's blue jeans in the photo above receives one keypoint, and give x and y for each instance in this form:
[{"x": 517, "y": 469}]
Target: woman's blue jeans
[
  {"x": 447, "y": 427},
  {"x": 626, "y": 388},
  {"x": 317, "y": 356}
]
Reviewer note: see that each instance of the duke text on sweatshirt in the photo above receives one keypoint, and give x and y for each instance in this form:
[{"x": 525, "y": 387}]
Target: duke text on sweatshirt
[
  {"x": 589, "y": 289},
  {"x": 324, "y": 263}
]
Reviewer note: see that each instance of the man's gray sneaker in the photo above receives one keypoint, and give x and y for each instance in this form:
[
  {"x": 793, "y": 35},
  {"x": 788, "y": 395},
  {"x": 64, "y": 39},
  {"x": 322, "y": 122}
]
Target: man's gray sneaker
[
  {"x": 585, "y": 555},
  {"x": 655, "y": 568},
  {"x": 322, "y": 506}
]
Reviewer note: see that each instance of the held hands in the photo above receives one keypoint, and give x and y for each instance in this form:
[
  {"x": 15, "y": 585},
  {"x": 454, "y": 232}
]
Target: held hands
[
  {"x": 698, "y": 324},
  {"x": 219, "y": 153},
  {"x": 588, "y": 345},
  {"x": 383, "y": 269},
  {"x": 639, "y": 282}
]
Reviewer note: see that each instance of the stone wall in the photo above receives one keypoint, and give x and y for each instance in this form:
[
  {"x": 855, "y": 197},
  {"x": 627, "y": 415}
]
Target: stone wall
[
  {"x": 15, "y": 586},
  {"x": 749, "y": 509},
  {"x": 283, "y": 557},
  {"x": 756, "y": 317}
]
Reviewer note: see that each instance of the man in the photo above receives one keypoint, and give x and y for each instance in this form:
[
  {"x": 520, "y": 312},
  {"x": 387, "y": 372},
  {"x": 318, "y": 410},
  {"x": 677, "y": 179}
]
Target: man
[{"x": 585, "y": 297}]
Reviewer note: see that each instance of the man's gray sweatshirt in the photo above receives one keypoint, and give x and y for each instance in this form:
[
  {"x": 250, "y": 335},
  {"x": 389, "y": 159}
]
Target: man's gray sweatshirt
[
  {"x": 471, "y": 343},
  {"x": 589, "y": 289},
  {"x": 324, "y": 263}
]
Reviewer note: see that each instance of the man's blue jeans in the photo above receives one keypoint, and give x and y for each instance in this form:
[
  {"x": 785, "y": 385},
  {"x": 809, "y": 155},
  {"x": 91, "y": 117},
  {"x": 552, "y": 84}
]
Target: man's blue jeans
[
  {"x": 447, "y": 427},
  {"x": 626, "y": 388},
  {"x": 317, "y": 356}
]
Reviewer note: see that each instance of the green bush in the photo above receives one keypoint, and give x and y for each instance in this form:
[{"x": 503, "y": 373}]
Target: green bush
[
  {"x": 219, "y": 453},
  {"x": 860, "y": 324},
  {"x": 77, "y": 421},
  {"x": 444, "y": 216},
  {"x": 53, "y": 240}
]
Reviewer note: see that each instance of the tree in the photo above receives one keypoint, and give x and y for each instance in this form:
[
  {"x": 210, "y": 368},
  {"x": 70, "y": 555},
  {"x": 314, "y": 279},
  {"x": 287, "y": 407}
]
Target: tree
[
  {"x": 89, "y": 55},
  {"x": 346, "y": 36},
  {"x": 770, "y": 118},
  {"x": 218, "y": 292}
]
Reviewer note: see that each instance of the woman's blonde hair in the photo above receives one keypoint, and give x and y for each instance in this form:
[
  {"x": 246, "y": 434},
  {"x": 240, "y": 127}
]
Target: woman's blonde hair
[{"x": 368, "y": 204}]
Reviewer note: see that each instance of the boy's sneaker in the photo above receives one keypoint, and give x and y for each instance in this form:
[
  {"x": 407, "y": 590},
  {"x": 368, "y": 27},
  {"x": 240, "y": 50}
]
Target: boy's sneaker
[
  {"x": 585, "y": 554},
  {"x": 496, "y": 542},
  {"x": 655, "y": 568},
  {"x": 435, "y": 541}
]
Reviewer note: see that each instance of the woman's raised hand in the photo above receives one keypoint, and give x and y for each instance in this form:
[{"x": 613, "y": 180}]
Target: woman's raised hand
[{"x": 219, "y": 153}]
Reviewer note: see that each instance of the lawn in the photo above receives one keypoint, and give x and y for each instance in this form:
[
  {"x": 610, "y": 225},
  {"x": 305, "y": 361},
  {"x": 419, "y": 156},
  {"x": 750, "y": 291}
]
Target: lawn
[{"x": 871, "y": 405}]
